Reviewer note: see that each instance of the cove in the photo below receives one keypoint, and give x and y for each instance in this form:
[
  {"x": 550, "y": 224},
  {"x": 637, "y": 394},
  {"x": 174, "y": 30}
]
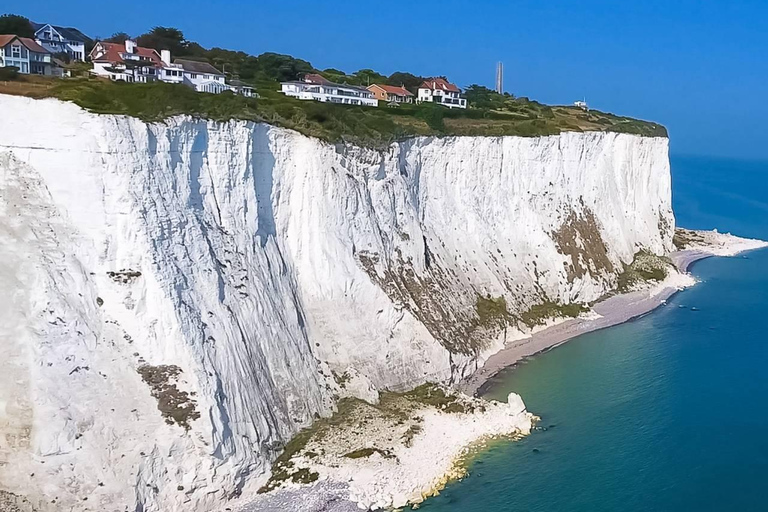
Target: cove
[{"x": 666, "y": 412}]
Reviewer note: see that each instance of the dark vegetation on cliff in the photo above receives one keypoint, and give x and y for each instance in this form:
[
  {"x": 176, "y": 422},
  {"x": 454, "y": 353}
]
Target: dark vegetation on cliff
[{"x": 490, "y": 113}]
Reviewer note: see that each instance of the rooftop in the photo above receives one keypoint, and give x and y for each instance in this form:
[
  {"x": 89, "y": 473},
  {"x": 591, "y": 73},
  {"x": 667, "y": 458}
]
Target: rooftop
[
  {"x": 196, "y": 66},
  {"x": 314, "y": 79},
  {"x": 69, "y": 33},
  {"x": 392, "y": 89},
  {"x": 29, "y": 43},
  {"x": 439, "y": 83},
  {"x": 113, "y": 53}
]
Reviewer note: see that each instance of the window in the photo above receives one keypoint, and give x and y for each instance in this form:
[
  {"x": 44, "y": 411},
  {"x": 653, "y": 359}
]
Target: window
[
  {"x": 16, "y": 51},
  {"x": 193, "y": 76}
]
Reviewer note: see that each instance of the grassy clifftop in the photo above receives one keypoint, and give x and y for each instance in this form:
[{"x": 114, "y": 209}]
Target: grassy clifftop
[{"x": 366, "y": 126}]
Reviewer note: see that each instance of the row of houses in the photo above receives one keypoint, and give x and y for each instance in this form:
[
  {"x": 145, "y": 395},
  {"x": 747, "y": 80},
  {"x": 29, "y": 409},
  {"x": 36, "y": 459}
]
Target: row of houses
[
  {"x": 318, "y": 88},
  {"x": 129, "y": 62},
  {"x": 38, "y": 55},
  {"x": 117, "y": 61}
]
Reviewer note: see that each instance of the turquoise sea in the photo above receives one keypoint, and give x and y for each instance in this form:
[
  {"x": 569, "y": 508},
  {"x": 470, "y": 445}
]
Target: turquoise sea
[{"x": 665, "y": 413}]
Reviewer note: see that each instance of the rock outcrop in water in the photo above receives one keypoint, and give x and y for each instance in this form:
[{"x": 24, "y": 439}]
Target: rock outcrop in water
[{"x": 181, "y": 298}]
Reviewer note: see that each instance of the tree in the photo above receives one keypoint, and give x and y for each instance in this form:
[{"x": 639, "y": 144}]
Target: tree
[
  {"x": 480, "y": 96},
  {"x": 275, "y": 66},
  {"x": 335, "y": 75},
  {"x": 407, "y": 80},
  {"x": 167, "y": 38},
  {"x": 117, "y": 37},
  {"x": 17, "y": 25},
  {"x": 369, "y": 76}
]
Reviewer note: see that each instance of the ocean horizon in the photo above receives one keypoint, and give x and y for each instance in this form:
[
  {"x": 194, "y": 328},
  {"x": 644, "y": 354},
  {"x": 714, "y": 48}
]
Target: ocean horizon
[{"x": 660, "y": 413}]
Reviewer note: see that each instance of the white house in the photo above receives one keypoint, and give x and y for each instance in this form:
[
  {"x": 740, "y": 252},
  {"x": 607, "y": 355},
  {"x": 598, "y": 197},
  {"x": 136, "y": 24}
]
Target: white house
[
  {"x": 440, "y": 90},
  {"x": 57, "y": 39},
  {"x": 132, "y": 63},
  {"x": 201, "y": 76},
  {"x": 126, "y": 61},
  {"x": 24, "y": 53},
  {"x": 315, "y": 87},
  {"x": 242, "y": 88}
]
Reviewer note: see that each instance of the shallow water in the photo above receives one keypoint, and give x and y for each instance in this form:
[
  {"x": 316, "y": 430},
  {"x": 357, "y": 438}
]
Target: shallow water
[{"x": 668, "y": 412}]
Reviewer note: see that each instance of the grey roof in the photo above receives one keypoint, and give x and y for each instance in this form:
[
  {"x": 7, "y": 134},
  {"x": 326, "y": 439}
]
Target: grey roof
[
  {"x": 239, "y": 83},
  {"x": 328, "y": 84},
  {"x": 195, "y": 66},
  {"x": 69, "y": 33}
]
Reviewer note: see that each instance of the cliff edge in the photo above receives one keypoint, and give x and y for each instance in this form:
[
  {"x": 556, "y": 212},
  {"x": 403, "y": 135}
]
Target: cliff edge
[{"x": 182, "y": 297}]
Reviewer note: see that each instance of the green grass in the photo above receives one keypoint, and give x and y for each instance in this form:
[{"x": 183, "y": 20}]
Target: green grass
[
  {"x": 645, "y": 267},
  {"x": 434, "y": 396},
  {"x": 492, "y": 311},
  {"x": 367, "y": 452},
  {"x": 539, "y": 313},
  {"x": 367, "y": 126}
]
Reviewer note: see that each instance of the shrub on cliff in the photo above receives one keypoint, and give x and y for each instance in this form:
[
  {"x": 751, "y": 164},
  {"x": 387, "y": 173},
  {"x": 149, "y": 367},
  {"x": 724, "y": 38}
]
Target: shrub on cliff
[
  {"x": 9, "y": 73},
  {"x": 433, "y": 115}
]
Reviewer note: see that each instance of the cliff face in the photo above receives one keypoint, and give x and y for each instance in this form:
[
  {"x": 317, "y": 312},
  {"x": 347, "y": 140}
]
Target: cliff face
[{"x": 181, "y": 298}]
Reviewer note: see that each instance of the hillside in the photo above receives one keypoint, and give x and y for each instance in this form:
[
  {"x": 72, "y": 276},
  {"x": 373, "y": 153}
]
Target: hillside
[{"x": 371, "y": 127}]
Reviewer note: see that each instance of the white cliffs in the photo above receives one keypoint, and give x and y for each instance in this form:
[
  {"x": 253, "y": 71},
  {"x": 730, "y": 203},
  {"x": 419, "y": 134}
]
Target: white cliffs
[{"x": 231, "y": 268}]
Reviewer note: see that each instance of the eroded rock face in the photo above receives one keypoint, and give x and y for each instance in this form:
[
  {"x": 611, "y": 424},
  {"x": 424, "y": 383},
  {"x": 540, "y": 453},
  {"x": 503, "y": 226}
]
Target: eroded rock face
[{"x": 259, "y": 262}]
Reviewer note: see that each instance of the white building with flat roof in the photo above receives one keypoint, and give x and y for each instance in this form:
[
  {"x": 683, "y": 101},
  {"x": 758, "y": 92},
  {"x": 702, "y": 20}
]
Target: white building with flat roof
[{"x": 315, "y": 87}]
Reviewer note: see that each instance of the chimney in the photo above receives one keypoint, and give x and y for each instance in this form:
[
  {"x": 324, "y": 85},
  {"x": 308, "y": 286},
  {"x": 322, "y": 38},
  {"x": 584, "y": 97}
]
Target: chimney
[
  {"x": 130, "y": 46},
  {"x": 165, "y": 56}
]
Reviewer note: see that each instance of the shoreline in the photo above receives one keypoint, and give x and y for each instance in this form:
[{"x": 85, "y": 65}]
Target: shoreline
[
  {"x": 615, "y": 310},
  {"x": 370, "y": 467}
]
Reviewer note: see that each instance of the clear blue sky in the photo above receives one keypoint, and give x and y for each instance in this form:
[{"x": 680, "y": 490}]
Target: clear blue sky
[{"x": 697, "y": 66}]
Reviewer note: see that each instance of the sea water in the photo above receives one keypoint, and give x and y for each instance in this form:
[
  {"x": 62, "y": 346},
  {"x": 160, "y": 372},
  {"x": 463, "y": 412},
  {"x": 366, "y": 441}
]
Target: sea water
[{"x": 665, "y": 413}]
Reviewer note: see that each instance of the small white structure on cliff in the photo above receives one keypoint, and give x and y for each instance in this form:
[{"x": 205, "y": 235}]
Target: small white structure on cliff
[{"x": 582, "y": 104}]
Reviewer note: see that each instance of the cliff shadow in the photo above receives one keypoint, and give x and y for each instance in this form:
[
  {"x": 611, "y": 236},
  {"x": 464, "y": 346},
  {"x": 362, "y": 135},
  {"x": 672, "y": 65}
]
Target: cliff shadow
[{"x": 262, "y": 165}]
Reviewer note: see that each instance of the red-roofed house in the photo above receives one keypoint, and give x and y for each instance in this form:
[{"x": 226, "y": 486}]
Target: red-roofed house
[
  {"x": 440, "y": 90},
  {"x": 391, "y": 93},
  {"x": 132, "y": 63},
  {"x": 24, "y": 53},
  {"x": 127, "y": 61}
]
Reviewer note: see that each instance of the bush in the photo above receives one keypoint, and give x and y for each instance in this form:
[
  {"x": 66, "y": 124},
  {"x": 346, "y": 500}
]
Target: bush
[
  {"x": 433, "y": 115},
  {"x": 9, "y": 73}
]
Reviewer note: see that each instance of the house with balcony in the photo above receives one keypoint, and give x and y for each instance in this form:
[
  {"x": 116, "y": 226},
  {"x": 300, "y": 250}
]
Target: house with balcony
[
  {"x": 239, "y": 87},
  {"x": 127, "y": 62},
  {"x": 315, "y": 87},
  {"x": 62, "y": 40},
  {"x": 25, "y": 54},
  {"x": 391, "y": 94},
  {"x": 199, "y": 75},
  {"x": 441, "y": 91},
  {"x": 202, "y": 76}
]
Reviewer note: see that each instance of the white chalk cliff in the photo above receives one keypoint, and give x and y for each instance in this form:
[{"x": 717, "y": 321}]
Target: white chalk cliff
[{"x": 226, "y": 271}]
